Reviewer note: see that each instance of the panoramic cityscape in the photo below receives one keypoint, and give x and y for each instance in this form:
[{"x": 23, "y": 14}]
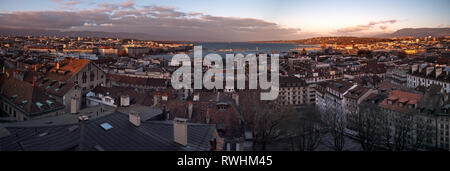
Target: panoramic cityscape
[{"x": 81, "y": 75}]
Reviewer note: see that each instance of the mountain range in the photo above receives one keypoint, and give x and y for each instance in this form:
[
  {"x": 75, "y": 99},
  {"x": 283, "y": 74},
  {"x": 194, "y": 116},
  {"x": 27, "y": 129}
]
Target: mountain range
[{"x": 417, "y": 32}]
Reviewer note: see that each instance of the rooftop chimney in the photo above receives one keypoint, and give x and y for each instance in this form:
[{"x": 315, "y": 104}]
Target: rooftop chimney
[
  {"x": 186, "y": 93},
  {"x": 135, "y": 119},
  {"x": 429, "y": 70},
  {"x": 82, "y": 121},
  {"x": 208, "y": 116},
  {"x": 74, "y": 105},
  {"x": 236, "y": 99},
  {"x": 165, "y": 113},
  {"x": 164, "y": 97},
  {"x": 218, "y": 96},
  {"x": 125, "y": 100},
  {"x": 155, "y": 99},
  {"x": 180, "y": 131},
  {"x": 196, "y": 97},
  {"x": 438, "y": 72},
  {"x": 414, "y": 68},
  {"x": 190, "y": 109}
]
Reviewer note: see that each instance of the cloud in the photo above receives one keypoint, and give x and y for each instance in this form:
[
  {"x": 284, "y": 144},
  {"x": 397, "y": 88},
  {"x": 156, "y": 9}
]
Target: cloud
[
  {"x": 105, "y": 7},
  {"x": 67, "y": 3},
  {"x": 382, "y": 22},
  {"x": 361, "y": 28},
  {"x": 354, "y": 29},
  {"x": 383, "y": 27},
  {"x": 128, "y": 4},
  {"x": 152, "y": 20},
  {"x": 49, "y": 19}
]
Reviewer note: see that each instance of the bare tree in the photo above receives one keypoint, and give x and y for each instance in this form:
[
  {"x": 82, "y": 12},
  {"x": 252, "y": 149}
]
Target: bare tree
[
  {"x": 264, "y": 118},
  {"x": 402, "y": 131},
  {"x": 366, "y": 125},
  {"x": 304, "y": 129},
  {"x": 336, "y": 126},
  {"x": 421, "y": 132},
  {"x": 385, "y": 133}
]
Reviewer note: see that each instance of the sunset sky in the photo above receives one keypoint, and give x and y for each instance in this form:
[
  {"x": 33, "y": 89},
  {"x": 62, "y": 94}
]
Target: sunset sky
[{"x": 230, "y": 20}]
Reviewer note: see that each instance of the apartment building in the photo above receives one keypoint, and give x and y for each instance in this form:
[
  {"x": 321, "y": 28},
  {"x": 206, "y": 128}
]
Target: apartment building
[
  {"x": 81, "y": 72},
  {"x": 419, "y": 117},
  {"x": 330, "y": 97},
  {"x": 295, "y": 91},
  {"x": 22, "y": 101},
  {"x": 353, "y": 99},
  {"x": 424, "y": 75}
]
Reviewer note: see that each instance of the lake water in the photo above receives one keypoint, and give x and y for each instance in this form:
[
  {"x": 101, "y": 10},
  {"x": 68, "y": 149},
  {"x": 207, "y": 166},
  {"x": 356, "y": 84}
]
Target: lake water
[{"x": 223, "y": 48}]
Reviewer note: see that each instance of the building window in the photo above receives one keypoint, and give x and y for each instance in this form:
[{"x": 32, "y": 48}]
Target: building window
[
  {"x": 84, "y": 77},
  {"x": 92, "y": 75}
]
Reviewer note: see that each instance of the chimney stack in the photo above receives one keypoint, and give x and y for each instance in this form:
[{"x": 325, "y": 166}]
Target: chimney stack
[
  {"x": 74, "y": 105},
  {"x": 180, "y": 131},
  {"x": 196, "y": 97},
  {"x": 186, "y": 94},
  {"x": 190, "y": 109},
  {"x": 165, "y": 113},
  {"x": 155, "y": 99},
  {"x": 438, "y": 72},
  {"x": 414, "y": 68},
  {"x": 429, "y": 70},
  {"x": 135, "y": 119},
  {"x": 125, "y": 100},
  {"x": 164, "y": 97},
  {"x": 82, "y": 121},
  {"x": 218, "y": 96},
  {"x": 208, "y": 116},
  {"x": 236, "y": 99}
]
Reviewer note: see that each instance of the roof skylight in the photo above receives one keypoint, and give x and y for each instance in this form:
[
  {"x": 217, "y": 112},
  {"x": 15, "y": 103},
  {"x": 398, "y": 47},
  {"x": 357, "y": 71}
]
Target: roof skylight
[{"x": 106, "y": 126}]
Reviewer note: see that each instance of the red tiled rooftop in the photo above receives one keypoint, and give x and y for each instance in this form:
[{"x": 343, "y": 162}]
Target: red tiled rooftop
[{"x": 398, "y": 96}]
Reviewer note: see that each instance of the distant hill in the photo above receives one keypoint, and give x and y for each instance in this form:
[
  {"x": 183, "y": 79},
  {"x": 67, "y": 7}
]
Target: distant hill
[
  {"x": 418, "y": 32},
  {"x": 333, "y": 40},
  {"x": 406, "y": 32},
  {"x": 37, "y": 32}
]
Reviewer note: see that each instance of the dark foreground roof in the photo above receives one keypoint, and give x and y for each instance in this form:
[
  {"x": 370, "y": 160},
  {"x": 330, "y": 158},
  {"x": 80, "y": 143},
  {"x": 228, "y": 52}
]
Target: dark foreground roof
[{"x": 124, "y": 136}]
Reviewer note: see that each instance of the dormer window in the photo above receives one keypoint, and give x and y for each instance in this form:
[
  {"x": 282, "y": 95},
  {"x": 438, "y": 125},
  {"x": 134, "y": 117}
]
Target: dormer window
[{"x": 390, "y": 102}]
